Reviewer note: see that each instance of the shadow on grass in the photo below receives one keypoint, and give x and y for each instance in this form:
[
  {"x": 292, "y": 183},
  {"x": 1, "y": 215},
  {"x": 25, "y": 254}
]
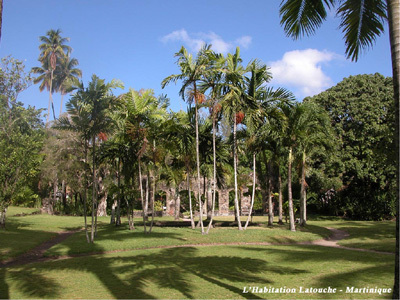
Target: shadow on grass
[{"x": 178, "y": 269}]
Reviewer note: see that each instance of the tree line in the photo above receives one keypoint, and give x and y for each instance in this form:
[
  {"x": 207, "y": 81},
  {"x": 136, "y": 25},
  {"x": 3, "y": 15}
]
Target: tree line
[{"x": 111, "y": 152}]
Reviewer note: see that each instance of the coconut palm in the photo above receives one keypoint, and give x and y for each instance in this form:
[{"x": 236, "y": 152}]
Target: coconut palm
[
  {"x": 192, "y": 69},
  {"x": 361, "y": 23},
  {"x": 66, "y": 76},
  {"x": 53, "y": 48}
]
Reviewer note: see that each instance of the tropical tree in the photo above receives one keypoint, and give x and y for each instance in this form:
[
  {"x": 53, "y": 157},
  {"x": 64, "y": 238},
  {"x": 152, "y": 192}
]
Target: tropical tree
[
  {"x": 235, "y": 103},
  {"x": 66, "y": 76},
  {"x": 212, "y": 81},
  {"x": 144, "y": 113},
  {"x": 179, "y": 133},
  {"x": 53, "y": 48},
  {"x": 89, "y": 111},
  {"x": 192, "y": 70},
  {"x": 361, "y": 23},
  {"x": 316, "y": 130},
  {"x": 21, "y": 135}
]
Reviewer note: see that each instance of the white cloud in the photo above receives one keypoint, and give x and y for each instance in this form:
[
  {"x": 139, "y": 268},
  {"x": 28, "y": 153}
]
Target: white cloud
[
  {"x": 302, "y": 70},
  {"x": 195, "y": 41}
]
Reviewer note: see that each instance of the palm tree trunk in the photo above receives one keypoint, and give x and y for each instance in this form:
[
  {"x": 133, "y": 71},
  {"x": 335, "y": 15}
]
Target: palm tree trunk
[
  {"x": 146, "y": 203},
  {"x": 394, "y": 33},
  {"x": 152, "y": 201},
  {"x": 235, "y": 174},
  {"x": 214, "y": 183},
  {"x": 270, "y": 206},
  {"x": 50, "y": 97},
  {"x": 198, "y": 165},
  {"x": 280, "y": 222},
  {"x": 290, "y": 199},
  {"x": 94, "y": 189},
  {"x": 61, "y": 104},
  {"x": 253, "y": 192},
  {"x": 118, "y": 217},
  {"x": 303, "y": 200},
  {"x": 190, "y": 198},
  {"x": 141, "y": 193},
  {"x": 177, "y": 203},
  {"x": 86, "y": 195}
]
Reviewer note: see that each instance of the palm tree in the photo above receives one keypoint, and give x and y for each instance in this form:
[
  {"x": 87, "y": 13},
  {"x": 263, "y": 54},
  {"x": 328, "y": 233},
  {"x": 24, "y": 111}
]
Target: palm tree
[
  {"x": 180, "y": 135},
  {"x": 78, "y": 121},
  {"x": 361, "y": 22},
  {"x": 212, "y": 80},
  {"x": 191, "y": 72},
  {"x": 93, "y": 106},
  {"x": 235, "y": 103},
  {"x": 316, "y": 130},
  {"x": 294, "y": 129},
  {"x": 143, "y": 110},
  {"x": 53, "y": 47},
  {"x": 66, "y": 76}
]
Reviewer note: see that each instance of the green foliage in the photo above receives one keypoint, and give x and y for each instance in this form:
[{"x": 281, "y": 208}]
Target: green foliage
[
  {"x": 362, "y": 115},
  {"x": 21, "y": 135}
]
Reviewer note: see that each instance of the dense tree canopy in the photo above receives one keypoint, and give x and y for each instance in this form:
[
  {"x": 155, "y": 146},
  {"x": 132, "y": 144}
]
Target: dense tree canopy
[{"x": 361, "y": 110}]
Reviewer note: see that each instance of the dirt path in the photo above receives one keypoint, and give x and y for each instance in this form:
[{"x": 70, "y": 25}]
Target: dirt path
[{"x": 37, "y": 254}]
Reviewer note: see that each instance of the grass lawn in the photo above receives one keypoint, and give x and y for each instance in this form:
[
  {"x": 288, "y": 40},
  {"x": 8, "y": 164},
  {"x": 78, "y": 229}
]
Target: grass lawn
[
  {"x": 218, "y": 272},
  {"x": 203, "y": 272}
]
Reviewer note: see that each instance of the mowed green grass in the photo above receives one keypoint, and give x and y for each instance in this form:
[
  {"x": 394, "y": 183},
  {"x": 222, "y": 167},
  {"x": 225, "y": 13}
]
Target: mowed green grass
[{"x": 219, "y": 272}]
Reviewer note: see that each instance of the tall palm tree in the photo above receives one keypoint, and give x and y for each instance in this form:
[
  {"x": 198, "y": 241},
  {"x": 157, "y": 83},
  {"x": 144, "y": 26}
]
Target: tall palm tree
[
  {"x": 143, "y": 109},
  {"x": 93, "y": 105},
  {"x": 66, "y": 76},
  {"x": 294, "y": 131},
  {"x": 180, "y": 135},
  {"x": 212, "y": 81},
  {"x": 235, "y": 103},
  {"x": 361, "y": 22},
  {"x": 53, "y": 47},
  {"x": 192, "y": 69}
]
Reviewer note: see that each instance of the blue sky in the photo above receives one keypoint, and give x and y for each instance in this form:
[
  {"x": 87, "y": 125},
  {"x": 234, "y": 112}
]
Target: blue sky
[{"x": 135, "y": 41}]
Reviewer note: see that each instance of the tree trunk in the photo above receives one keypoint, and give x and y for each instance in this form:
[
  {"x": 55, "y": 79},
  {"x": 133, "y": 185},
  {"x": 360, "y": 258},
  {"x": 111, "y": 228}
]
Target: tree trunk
[
  {"x": 214, "y": 181},
  {"x": 102, "y": 207},
  {"x": 113, "y": 207},
  {"x": 198, "y": 165},
  {"x": 146, "y": 202},
  {"x": 303, "y": 199},
  {"x": 280, "y": 222},
  {"x": 141, "y": 194},
  {"x": 177, "y": 204},
  {"x": 118, "y": 217},
  {"x": 190, "y": 199},
  {"x": 253, "y": 192},
  {"x": 153, "y": 199},
  {"x": 270, "y": 206},
  {"x": 3, "y": 212},
  {"x": 50, "y": 97},
  {"x": 290, "y": 199},
  {"x": 94, "y": 198},
  {"x": 86, "y": 194},
  {"x": 394, "y": 33},
  {"x": 235, "y": 174},
  {"x": 61, "y": 104}
]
